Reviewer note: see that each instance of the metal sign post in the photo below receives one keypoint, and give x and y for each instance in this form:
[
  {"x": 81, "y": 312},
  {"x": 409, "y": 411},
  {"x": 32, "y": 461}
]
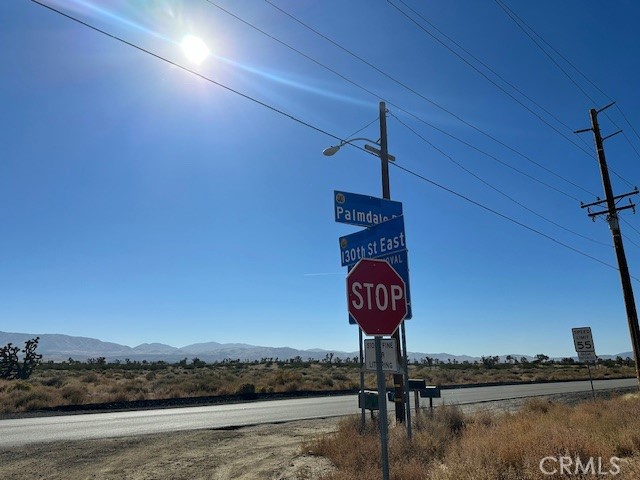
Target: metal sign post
[
  {"x": 593, "y": 392},
  {"x": 382, "y": 406},
  {"x": 407, "y": 398},
  {"x": 362, "y": 414}
]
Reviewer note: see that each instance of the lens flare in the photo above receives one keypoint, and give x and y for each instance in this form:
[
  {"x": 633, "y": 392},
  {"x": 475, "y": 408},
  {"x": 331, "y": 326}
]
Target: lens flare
[{"x": 194, "y": 49}]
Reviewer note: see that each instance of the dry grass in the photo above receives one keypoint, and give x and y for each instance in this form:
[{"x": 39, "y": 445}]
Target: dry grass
[
  {"x": 77, "y": 384},
  {"x": 487, "y": 446},
  {"x": 55, "y": 387}
]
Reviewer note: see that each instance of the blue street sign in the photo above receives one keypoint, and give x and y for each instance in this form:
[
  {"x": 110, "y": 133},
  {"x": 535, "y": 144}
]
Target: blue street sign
[
  {"x": 363, "y": 210},
  {"x": 400, "y": 262},
  {"x": 375, "y": 242}
]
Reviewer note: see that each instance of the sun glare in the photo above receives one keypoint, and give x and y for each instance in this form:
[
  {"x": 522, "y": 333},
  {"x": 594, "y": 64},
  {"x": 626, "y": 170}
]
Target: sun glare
[{"x": 194, "y": 49}]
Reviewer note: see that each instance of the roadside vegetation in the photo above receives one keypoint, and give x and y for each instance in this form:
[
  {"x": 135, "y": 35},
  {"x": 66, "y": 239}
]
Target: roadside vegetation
[
  {"x": 73, "y": 382},
  {"x": 543, "y": 440}
]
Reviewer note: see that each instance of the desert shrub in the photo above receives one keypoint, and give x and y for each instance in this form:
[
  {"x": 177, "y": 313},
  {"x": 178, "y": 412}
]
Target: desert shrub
[
  {"x": 74, "y": 394},
  {"x": 537, "y": 405},
  {"x": 246, "y": 389},
  {"x": 90, "y": 378},
  {"x": 53, "y": 381},
  {"x": 326, "y": 381},
  {"x": 31, "y": 400},
  {"x": 20, "y": 387},
  {"x": 487, "y": 446}
]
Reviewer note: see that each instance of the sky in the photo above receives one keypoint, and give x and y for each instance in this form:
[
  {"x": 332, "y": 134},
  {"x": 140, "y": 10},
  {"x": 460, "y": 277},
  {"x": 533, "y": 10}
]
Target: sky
[{"x": 148, "y": 198}]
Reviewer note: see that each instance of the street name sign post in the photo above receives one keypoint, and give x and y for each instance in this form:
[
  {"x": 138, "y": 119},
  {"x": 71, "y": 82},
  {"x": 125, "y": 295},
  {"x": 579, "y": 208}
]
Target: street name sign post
[
  {"x": 384, "y": 239},
  {"x": 376, "y": 299}
]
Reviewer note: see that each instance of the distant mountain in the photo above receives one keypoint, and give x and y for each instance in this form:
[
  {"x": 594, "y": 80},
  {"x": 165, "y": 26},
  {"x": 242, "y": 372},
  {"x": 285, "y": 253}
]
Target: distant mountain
[
  {"x": 154, "y": 349},
  {"x": 60, "y": 347}
]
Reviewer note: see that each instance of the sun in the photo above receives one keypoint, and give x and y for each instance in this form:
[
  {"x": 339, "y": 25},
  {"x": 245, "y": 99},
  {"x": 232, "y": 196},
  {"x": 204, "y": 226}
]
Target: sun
[{"x": 194, "y": 49}]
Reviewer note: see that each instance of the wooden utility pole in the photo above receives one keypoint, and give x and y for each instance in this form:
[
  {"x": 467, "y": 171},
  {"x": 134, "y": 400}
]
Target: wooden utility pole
[
  {"x": 611, "y": 213},
  {"x": 398, "y": 379}
]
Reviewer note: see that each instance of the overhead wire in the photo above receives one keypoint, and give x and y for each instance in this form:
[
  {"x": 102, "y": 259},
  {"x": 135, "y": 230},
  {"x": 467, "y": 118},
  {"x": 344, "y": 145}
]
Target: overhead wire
[
  {"x": 484, "y": 64},
  {"x": 505, "y": 217},
  {"x": 490, "y": 80},
  {"x": 181, "y": 67},
  {"x": 435, "y": 104},
  {"x": 522, "y": 24},
  {"x": 629, "y": 224},
  {"x": 572, "y": 65},
  {"x": 375, "y": 120},
  {"x": 423, "y": 97},
  {"x": 496, "y": 189},
  {"x": 322, "y": 131}
]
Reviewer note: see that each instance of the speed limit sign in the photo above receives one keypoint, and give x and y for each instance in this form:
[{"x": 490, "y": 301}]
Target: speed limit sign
[{"x": 583, "y": 341}]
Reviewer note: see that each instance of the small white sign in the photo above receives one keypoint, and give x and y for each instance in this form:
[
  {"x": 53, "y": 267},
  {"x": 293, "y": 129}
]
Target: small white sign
[
  {"x": 389, "y": 355},
  {"x": 587, "y": 357}
]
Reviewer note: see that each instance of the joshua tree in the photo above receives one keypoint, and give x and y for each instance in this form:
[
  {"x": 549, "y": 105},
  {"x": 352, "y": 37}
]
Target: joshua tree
[{"x": 11, "y": 368}]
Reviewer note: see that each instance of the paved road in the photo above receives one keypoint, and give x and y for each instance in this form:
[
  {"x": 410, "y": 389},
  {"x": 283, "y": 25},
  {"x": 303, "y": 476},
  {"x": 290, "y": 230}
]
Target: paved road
[{"x": 16, "y": 432}]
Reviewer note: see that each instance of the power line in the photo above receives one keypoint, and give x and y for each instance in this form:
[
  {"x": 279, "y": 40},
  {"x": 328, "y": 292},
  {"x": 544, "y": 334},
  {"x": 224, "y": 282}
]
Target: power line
[
  {"x": 484, "y": 64},
  {"x": 490, "y": 80},
  {"x": 629, "y": 225},
  {"x": 513, "y": 17},
  {"x": 496, "y": 189},
  {"x": 423, "y": 97},
  {"x": 375, "y": 120},
  {"x": 193, "y": 72},
  {"x": 506, "y": 217},
  {"x": 320, "y": 130},
  {"x": 627, "y": 120},
  {"x": 572, "y": 65},
  {"x": 626, "y": 237},
  {"x": 522, "y": 24}
]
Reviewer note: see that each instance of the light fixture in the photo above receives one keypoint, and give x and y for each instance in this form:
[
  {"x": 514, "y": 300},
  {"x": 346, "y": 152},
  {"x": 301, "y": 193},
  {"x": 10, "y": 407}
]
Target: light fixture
[{"x": 329, "y": 151}]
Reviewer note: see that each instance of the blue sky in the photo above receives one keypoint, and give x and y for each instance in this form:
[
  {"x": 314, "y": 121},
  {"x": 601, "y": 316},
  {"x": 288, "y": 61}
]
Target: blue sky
[{"x": 142, "y": 203}]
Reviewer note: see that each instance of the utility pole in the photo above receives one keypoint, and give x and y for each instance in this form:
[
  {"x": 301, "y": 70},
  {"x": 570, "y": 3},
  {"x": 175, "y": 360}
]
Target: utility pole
[
  {"x": 398, "y": 379},
  {"x": 611, "y": 213}
]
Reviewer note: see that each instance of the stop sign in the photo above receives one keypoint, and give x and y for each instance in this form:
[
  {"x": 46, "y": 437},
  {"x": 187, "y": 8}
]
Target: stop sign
[{"x": 376, "y": 296}]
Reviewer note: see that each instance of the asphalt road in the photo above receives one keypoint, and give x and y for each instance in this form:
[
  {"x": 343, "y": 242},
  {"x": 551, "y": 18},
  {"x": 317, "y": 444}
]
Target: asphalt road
[{"x": 15, "y": 432}]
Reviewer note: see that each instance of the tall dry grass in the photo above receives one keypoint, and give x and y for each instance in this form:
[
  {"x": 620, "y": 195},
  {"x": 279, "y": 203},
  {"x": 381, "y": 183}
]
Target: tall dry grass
[
  {"x": 55, "y": 387},
  {"x": 77, "y": 384},
  {"x": 487, "y": 446}
]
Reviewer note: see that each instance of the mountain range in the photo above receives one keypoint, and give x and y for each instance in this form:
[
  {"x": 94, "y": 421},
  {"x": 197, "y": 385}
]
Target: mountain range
[{"x": 59, "y": 347}]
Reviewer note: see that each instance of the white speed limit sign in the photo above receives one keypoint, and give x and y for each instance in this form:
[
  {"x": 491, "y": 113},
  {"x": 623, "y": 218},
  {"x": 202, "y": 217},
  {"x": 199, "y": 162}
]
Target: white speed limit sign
[{"x": 583, "y": 340}]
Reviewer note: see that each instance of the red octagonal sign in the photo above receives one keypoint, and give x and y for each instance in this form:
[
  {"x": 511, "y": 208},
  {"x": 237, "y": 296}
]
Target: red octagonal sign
[{"x": 376, "y": 296}]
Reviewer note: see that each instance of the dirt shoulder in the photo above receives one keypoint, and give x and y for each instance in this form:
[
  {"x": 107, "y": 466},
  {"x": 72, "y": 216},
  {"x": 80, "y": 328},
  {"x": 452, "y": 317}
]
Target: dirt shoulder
[{"x": 252, "y": 453}]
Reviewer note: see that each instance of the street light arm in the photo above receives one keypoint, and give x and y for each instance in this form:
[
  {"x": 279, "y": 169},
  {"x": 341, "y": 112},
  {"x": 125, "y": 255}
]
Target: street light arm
[
  {"x": 327, "y": 152},
  {"x": 333, "y": 149}
]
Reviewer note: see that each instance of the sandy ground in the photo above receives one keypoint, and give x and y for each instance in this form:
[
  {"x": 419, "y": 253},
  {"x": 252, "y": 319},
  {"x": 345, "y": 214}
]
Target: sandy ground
[{"x": 262, "y": 452}]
